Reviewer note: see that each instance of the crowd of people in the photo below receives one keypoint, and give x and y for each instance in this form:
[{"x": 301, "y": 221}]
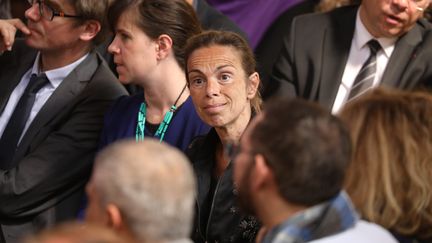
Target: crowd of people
[{"x": 152, "y": 121}]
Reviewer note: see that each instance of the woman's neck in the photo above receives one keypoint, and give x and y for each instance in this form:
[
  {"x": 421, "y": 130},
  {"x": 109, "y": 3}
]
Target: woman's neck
[
  {"x": 164, "y": 91},
  {"x": 232, "y": 132}
]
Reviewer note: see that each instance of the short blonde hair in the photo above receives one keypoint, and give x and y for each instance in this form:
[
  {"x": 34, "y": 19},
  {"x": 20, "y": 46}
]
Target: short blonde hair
[{"x": 390, "y": 177}]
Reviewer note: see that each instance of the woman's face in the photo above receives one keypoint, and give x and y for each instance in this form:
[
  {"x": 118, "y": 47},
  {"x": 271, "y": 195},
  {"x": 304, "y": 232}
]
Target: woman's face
[
  {"x": 219, "y": 87},
  {"x": 134, "y": 52}
]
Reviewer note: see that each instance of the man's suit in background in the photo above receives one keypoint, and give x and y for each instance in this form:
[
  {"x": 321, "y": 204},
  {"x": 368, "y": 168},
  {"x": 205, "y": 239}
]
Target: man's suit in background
[
  {"x": 54, "y": 158},
  {"x": 315, "y": 53},
  {"x": 270, "y": 45}
]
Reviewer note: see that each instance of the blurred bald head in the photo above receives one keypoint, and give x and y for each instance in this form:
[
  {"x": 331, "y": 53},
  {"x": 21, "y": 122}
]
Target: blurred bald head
[{"x": 146, "y": 184}]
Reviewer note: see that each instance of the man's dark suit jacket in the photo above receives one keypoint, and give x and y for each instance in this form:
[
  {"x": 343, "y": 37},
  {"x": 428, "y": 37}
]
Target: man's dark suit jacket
[
  {"x": 315, "y": 52},
  {"x": 271, "y": 43},
  {"x": 54, "y": 158}
]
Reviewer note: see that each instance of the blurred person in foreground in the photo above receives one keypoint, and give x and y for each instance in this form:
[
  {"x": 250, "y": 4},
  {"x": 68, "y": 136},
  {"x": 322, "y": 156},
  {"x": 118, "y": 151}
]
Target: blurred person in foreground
[
  {"x": 143, "y": 190},
  {"x": 289, "y": 170},
  {"x": 390, "y": 177},
  {"x": 224, "y": 89},
  {"x": 74, "y": 232}
]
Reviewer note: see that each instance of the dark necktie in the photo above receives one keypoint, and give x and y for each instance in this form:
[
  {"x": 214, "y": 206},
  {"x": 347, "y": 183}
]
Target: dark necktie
[
  {"x": 18, "y": 120},
  {"x": 366, "y": 76}
]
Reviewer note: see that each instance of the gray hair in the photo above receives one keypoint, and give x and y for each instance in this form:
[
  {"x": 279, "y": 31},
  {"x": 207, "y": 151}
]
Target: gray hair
[{"x": 152, "y": 184}]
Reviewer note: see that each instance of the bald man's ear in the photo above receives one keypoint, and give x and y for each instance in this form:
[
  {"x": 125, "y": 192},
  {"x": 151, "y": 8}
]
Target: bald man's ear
[{"x": 115, "y": 219}]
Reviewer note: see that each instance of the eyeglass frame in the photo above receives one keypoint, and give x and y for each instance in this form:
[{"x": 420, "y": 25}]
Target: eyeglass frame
[{"x": 54, "y": 12}]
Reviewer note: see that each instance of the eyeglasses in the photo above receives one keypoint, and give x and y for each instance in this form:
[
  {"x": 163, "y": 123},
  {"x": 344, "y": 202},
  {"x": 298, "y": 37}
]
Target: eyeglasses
[{"x": 48, "y": 12}]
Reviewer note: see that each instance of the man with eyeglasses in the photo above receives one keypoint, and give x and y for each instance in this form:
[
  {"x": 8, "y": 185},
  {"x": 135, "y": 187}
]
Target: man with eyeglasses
[
  {"x": 54, "y": 90},
  {"x": 337, "y": 56},
  {"x": 289, "y": 171}
]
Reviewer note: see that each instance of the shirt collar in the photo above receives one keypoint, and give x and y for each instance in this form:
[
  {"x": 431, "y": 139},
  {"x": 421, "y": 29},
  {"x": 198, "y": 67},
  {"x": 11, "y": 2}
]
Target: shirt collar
[
  {"x": 56, "y": 76},
  {"x": 362, "y": 36},
  {"x": 301, "y": 226}
]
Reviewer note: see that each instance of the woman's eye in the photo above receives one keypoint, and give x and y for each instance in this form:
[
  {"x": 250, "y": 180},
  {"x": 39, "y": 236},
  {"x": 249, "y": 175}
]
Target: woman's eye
[
  {"x": 197, "y": 81},
  {"x": 225, "y": 77},
  {"x": 124, "y": 37}
]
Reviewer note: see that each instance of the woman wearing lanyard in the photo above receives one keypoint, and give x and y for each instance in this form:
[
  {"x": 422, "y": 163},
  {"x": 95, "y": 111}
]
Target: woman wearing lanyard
[{"x": 148, "y": 52}]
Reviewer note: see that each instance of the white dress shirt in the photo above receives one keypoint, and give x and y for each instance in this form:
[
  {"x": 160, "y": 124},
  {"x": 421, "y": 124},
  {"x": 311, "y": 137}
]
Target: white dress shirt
[
  {"x": 359, "y": 53},
  {"x": 55, "y": 77}
]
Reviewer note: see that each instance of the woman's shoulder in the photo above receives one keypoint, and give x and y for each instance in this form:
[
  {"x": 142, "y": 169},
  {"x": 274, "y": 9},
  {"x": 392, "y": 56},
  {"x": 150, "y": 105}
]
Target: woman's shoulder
[
  {"x": 186, "y": 116},
  {"x": 127, "y": 101},
  {"x": 202, "y": 146}
]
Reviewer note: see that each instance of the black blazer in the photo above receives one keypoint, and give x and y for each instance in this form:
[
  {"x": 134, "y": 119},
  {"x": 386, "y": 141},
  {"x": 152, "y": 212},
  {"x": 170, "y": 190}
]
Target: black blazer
[
  {"x": 54, "y": 158},
  {"x": 314, "y": 55}
]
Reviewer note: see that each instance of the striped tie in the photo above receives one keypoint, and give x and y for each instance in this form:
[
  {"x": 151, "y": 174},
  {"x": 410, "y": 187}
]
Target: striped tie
[{"x": 366, "y": 76}]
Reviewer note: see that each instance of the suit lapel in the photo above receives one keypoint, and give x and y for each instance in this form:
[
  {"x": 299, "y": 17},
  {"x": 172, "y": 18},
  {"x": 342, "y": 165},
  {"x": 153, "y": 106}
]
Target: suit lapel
[
  {"x": 401, "y": 58},
  {"x": 63, "y": 96},
  {"x": 336, "y": 48}
]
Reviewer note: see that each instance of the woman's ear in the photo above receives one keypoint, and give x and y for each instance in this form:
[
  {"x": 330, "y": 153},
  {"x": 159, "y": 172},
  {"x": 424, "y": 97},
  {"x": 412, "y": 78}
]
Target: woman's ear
[
  {"x": 253, "y": 84},
  {"x": 164, "y": 45},
  {"x": 91, "y": 29}
]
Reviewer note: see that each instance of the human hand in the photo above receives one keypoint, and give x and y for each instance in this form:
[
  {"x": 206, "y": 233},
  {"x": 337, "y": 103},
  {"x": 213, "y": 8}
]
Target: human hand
[{"x": 8, "y": 29}]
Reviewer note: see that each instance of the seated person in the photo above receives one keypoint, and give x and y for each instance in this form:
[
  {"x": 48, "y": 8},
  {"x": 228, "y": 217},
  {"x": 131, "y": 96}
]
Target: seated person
[
  {"x": 143, "y": 190},
  {"x": 148, "y": 52},
  {"x": 390, "y": 177},
  {"x": 54, "y": 91},
  {"x": 224, "y": 89},
  {"x": 289, "y": 170}
]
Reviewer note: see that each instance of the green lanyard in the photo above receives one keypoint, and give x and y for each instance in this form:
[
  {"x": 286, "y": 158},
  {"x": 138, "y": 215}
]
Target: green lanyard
[{"x": 160, "y": 133}]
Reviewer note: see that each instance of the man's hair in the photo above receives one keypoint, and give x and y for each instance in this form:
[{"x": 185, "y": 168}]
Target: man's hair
[
  {"x": 228, "y": 39},
  {"x": 152, "y": 184},
  {"x": 306, "y": 147},
  {"x": 390, "y": 177},
  {"x": 175, "y": 18},
  {"x": 93, "y": 10}
]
